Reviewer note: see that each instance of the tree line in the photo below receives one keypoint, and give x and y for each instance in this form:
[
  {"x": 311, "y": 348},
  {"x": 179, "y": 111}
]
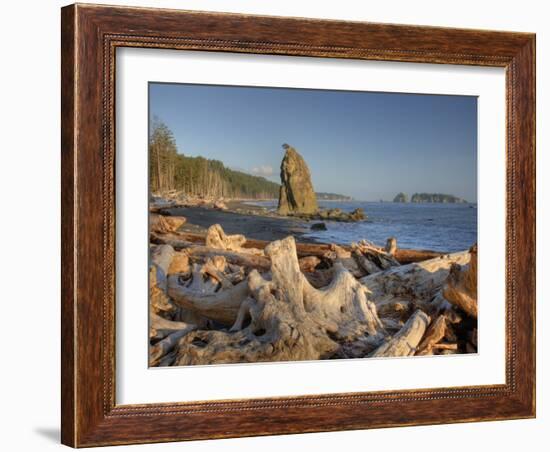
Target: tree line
[{"x": 198, "y": 176}]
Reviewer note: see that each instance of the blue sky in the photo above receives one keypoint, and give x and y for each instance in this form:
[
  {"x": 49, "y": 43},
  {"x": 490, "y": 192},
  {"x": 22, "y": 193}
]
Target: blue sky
[{"x": 366, "y": 145}]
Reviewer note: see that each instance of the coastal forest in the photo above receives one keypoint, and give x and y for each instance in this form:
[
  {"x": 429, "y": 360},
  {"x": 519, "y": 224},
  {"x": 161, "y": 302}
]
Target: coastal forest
[
  {"x": 206, "y": 178},
  {"x": 198, "y": 176}
]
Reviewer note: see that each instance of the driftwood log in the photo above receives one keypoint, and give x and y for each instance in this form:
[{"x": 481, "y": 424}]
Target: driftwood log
[
  {"x": 185, "y": 239},
  {"x": 163, "y": 224},
  {"x": 419, "y": 281},
  {"x": 461, "y": 285},
  {"x": 404, "y": 343}
]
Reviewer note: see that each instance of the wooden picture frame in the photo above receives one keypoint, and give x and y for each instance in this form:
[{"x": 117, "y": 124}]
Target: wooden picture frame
[{"x": 90, "y": 36}]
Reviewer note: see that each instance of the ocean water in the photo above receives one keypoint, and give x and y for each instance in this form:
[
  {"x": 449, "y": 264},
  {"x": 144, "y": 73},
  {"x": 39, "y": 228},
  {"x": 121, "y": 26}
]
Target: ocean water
[{"x": 431, "y": 226}]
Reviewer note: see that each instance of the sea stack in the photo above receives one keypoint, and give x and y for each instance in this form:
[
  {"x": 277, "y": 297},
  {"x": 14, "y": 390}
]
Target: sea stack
[{"x": 296, "y": 195}]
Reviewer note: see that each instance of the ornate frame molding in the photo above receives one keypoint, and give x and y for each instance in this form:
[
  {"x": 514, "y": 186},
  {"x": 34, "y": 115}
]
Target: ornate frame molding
[{"x": 90, "y": 37}]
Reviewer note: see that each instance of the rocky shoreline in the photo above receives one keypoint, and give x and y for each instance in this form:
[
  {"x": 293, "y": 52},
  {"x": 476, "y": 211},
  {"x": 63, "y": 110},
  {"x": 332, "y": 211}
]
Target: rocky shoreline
[{"x": 242, "y": 216}]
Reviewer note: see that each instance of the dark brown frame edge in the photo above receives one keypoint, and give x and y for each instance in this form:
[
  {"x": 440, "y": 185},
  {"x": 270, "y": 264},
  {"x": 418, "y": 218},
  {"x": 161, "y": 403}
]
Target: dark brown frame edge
[{"x": 90, "y": 36}]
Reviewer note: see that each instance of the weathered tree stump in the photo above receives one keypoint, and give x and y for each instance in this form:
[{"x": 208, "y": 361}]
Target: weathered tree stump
[{"x": 289, "y": 319}]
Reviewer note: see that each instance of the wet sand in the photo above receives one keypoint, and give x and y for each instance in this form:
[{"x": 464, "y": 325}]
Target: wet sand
[{"x": 252, "y": 221}]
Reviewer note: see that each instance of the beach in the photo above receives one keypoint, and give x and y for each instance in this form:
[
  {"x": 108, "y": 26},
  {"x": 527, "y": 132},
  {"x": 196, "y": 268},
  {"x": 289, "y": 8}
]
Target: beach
[{"x": 241, "y": 217}]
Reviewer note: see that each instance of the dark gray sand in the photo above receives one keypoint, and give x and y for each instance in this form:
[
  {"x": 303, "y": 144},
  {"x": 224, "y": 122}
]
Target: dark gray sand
[{"x": 251, "y": 221}]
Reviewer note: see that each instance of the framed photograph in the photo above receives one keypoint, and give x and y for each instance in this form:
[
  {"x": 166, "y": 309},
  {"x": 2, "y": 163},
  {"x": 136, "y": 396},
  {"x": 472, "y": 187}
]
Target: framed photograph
[{"x": 281, "y": 225}]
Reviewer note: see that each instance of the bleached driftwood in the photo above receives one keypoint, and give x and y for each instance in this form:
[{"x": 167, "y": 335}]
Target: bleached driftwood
[
  {"x": 179, "y": 264},
  {"x": 460, "y": 288},
  {"x": 405, "y": 342},
  {"x": 367, "y": 265},
  {"x": 416, "y": 282},
  {"x": 361, "y": 259},
  {"x": 161, "y": 258},
  {"x": 222, "y": 303},
  {"x": 203, "y": 253},
  {"x": 434, "y": 334},
  {"x": 163, "y": 224},
  {"x": 289, "y": 319},
  {"x": 166, "y": 345},
  {"x": 337, "y": 254},
  {"x": 391, "y": 246},
  {"x": 402, "y": 255},
  {"x": 207, "y": 298},
  {"x": 160, "y": 327},
  {"x": 218, "y": 239},
  {"x": 161, "y": 262},
  {"x": 380, "y": 257}
]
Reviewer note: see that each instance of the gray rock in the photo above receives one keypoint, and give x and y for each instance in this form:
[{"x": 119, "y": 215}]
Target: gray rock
[{"x": 318, "y": 227}]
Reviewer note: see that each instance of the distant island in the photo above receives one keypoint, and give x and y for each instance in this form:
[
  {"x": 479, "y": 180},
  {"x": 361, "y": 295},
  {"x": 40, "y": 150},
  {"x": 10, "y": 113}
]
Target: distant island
[
  {"x": 401, "y": 197},
  {"x": 332, "y": 197},
  {"x": 429, "y": 198},
  {"x": 437, "y": 197}
]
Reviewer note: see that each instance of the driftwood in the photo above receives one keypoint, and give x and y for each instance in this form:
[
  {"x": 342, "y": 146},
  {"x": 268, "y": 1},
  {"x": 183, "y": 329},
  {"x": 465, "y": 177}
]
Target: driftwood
[
  {"x": 361, "y": 259},
  {"x": 161, "y": 258},
  {"x": 404, "y": 343},
  {"x": 175, "y": 240},
  {"x": 344, "y": 257},
  {"x": 163, "y": 224},
  {"x": 406, "y": 256},
  {"x": 249, "y": 261},
  {"x": 218, "y": 300},
  {"x": 159, "y": 327},
  {"x": 402, "y": 255},
  {"x": 207, "y": 298},
  {"x": 179, "y": 264},
  {"x": 461, "y": 285},
  {"x": 218, "y": 239},
  {"x": 203, "y": 253},
  {"x": 378, "y": 257},
  {"x": 434, "y": 334},
  {"x": 391, "y": 246},
  {"x": 158, "y": 300},
  {"x": 289, "y": 319},
  {"x": 166, "y": 345},
  {"x": 419, "y": 281}
]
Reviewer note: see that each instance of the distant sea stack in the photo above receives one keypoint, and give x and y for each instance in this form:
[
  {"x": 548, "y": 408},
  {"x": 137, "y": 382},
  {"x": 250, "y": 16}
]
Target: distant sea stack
[
  {"x": 436, "y": 197},
  {"x": 296, "y": 195},
  {"x": 401, "y": 197}
]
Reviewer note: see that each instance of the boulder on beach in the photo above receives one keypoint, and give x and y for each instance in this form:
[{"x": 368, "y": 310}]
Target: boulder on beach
[
  {"x": 318, "y": 227},
  {"x": 337, "y": 214},
  {"x": 296, "y": 195},
  {"x": 357, "y": 215}
]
